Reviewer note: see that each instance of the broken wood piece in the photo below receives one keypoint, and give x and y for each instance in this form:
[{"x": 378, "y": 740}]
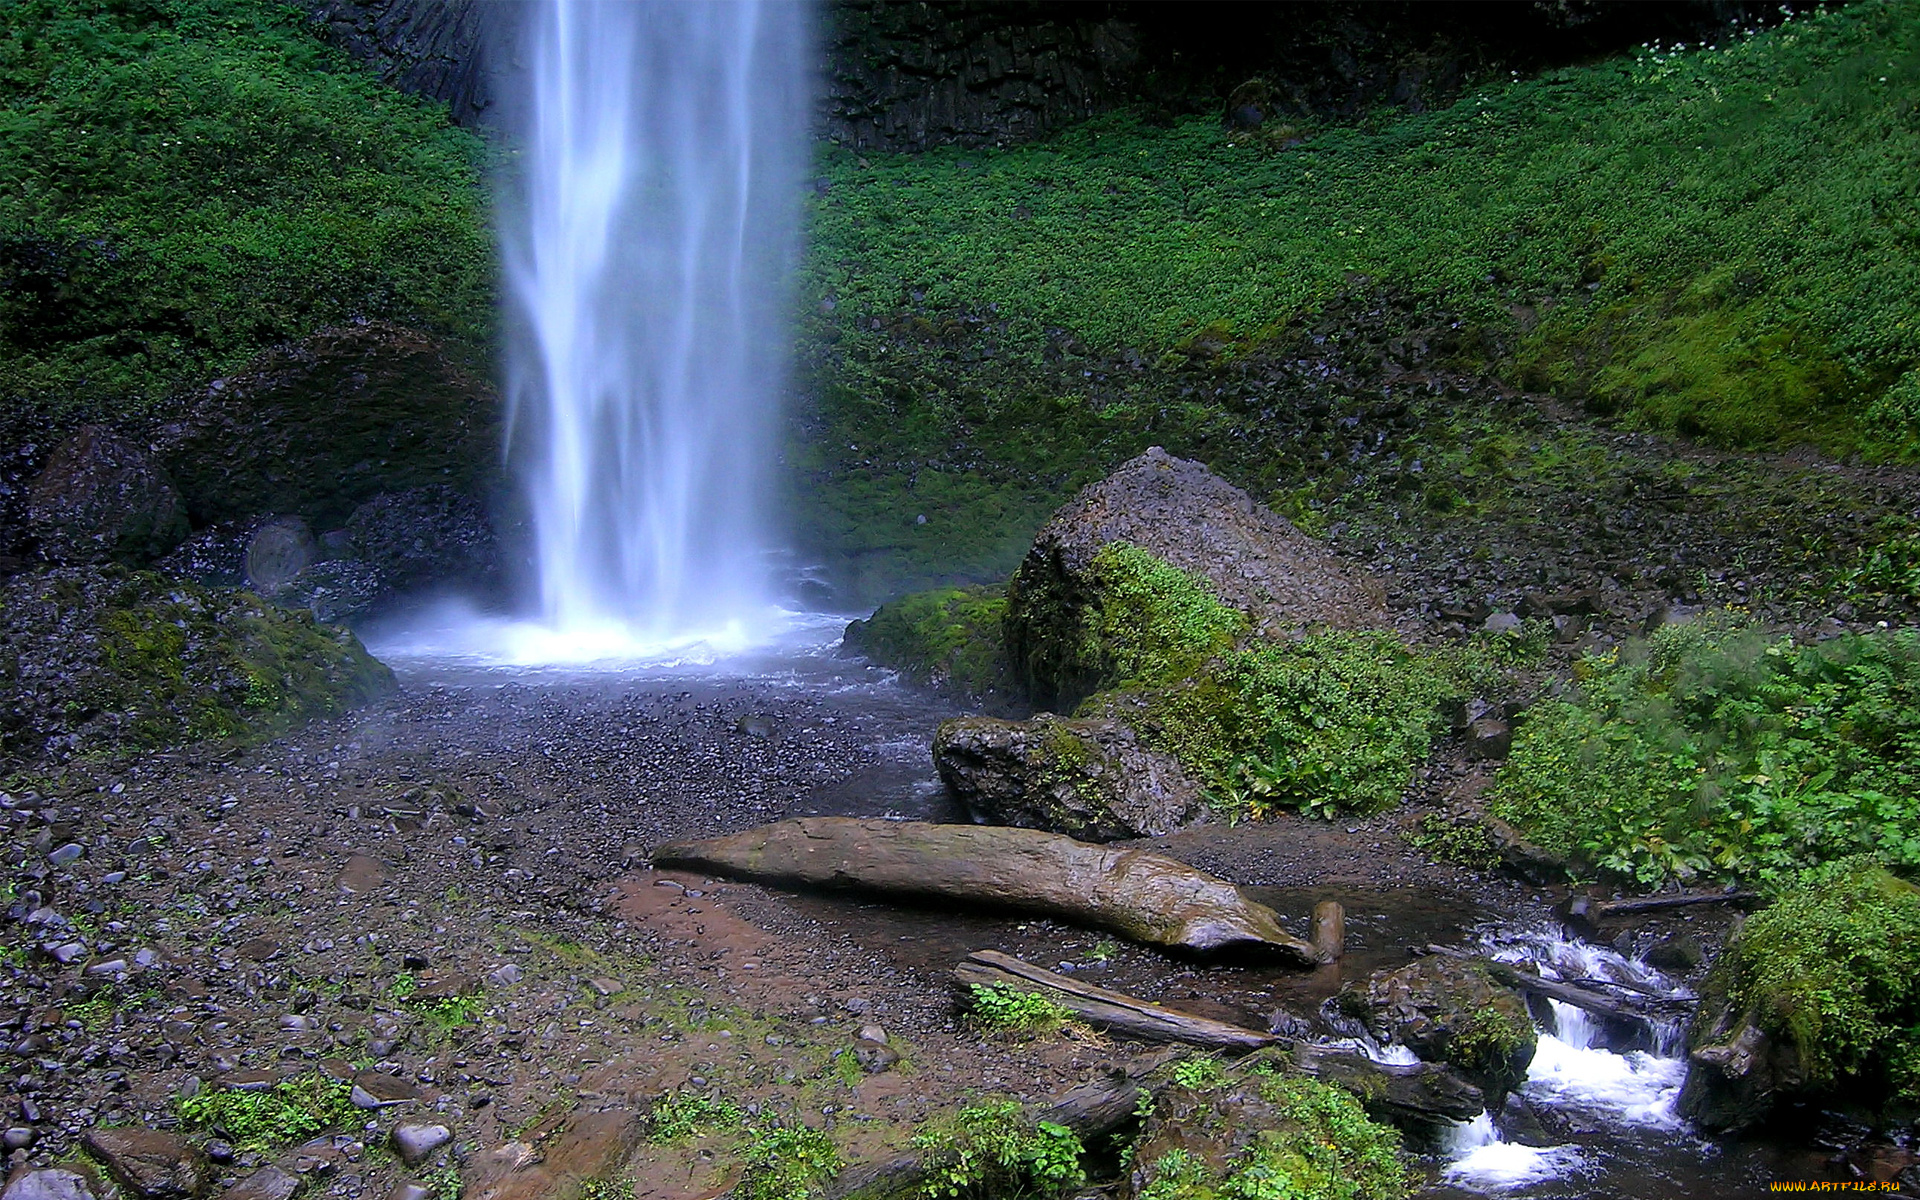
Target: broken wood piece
[
  {"x": 1110, "y": 1010},
  {"x": 1147, "y": 897},
  {"x": 1603, "y": 910},
  {"x": 1329, "y": 931}
]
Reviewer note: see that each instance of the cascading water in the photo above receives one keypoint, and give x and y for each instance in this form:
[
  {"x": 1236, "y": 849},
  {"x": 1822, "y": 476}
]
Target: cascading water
[{"x": 648, "y": 242}]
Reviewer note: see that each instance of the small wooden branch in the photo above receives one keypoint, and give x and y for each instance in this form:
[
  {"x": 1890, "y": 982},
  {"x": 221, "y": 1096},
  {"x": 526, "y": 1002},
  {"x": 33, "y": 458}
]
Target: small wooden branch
[{"x": 1106, "y": 1009}]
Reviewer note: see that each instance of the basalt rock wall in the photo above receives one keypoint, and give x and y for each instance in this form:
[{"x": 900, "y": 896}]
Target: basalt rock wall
[{"x": 911, "y": 74}]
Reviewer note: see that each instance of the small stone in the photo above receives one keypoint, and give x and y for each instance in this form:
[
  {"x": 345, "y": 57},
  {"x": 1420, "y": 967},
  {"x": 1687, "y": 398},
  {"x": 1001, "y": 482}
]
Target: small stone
[
  {"x": 219, "y": 1151},
  {"x": 299, "y": 1022},
  {"x": 874, "y": 1057},
  {"x": 873, "y": 1033},
  {"x": 607, "y": 987},
  {"x": 18, "y": 1138},
  {"x": 113, "y": 966},
  {"x": 152, "y": 1163},
  {"x": 416, "y": 1143},
  {"x": 69, "y": 853},
  {"x": 258, "y": 949},
  {"x": 858, "y": 1005},
  {"x": 251, "y": 1081},
  {"x": 69, "y": 953},
  {"x": 408, "y": 1190},
  {"x": 50, "y": 1184},
  {"x": 268, "y": 1183},
  {"x": 113, "y": 877},
  {"x": 1501, "y": 622},
  {"x": 361, "y": 875},
  {"x": 505, "y": 975},
  {"x": 385, "y": 1088}
]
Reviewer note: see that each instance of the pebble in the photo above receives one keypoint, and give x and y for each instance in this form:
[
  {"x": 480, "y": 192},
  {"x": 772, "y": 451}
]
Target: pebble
[
  {"x": 69, "y": 853},
  {"x": 69, "y": 953},
  {"x": 408, "y": 1190},
  {"x": 50, "y": 1184},
  {"x": 268, "y": 1183},
  {"x": 505, "y": 975},
  {"x": 873, "y": 1033},
  {"x": 18, "y": 1138},
  {"x": 113, "y": 966},
  {"x": 416, "y": 1143}
]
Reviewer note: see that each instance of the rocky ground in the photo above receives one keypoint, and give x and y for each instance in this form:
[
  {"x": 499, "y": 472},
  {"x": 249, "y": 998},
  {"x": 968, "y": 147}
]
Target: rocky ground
[{"x": 442, "y": 902}]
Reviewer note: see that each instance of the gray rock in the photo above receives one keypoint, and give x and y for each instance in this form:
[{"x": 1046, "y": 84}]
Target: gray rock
[
  {"x": 1090, "y": 779},
  {"x": 874, "y": 1057},
  {"x": 277, "y": 552},
  {"x": 505, "y": 975},
  {"x": 409, "y": 1190},
  {"x": 1253, "y": 559},
  {"x": 1501, "y": 622},
  {"x": 417, "y": 1143},
  {"x": 51, "y": 1184},
  {"x": 268, "y": 1183},
  {"x": 1451, "y": 1011},
  {"x": 151, "y": 1163},
  {"x": 69, "y": 853},
  {"x": 1489, "y": 739},
  {"x": 100, "y": 499},
  {"x": 19, "y": 1137},
  {"x": 874, "y": 1033},
  {"x": 68, "y": 953},
  {"x": 113, "y": 966}
]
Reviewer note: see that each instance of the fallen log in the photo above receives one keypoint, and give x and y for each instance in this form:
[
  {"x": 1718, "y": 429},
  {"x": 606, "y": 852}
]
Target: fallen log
[
  {"x": 1147, "y": 897},
  {"x": 1109, "y": 1010},
  {"x": 1603, "y": 910},
  {"x": 1645, "y": 1010}
]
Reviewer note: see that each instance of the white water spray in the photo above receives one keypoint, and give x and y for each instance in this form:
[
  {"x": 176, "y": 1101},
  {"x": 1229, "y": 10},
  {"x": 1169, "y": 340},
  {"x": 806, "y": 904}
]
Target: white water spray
[{"x": 647, "y": 254}]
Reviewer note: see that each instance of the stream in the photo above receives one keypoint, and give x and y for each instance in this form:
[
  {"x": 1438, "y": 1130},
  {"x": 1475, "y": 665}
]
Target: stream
[{"x": 1595, "y": 1118}]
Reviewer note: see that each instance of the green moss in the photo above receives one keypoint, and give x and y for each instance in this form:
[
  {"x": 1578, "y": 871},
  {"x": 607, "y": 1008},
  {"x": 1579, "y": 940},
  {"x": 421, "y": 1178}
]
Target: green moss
[
  {"x": 1713, "y": 748},
  {"x": 188, "y": 182},
  {"x": 138, "y": 661},
  {"x": 1148, "y": 622},
  {"x": 1319, "y": 1145},
  {"x": 950, "y": 637},
  {"x": 1832, "y": 968}
]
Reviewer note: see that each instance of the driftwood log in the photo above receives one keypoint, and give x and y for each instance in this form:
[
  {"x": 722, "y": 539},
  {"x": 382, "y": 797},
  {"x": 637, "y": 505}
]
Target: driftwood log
[
  {"x": 1106, "y": 1009},
  {"x": 1147, "y": 897}
]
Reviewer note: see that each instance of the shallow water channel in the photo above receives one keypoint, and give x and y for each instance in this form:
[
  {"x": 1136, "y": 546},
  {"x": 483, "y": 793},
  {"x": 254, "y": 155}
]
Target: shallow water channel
[{"x": 1590, "y": 1121}]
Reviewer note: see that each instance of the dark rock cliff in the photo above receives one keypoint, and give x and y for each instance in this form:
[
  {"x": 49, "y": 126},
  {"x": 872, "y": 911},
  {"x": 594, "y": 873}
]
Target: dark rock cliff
[{"x": 909, "y": 74}]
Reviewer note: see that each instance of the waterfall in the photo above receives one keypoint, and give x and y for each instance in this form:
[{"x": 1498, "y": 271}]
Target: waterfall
[{"x": 649, "y": 232}]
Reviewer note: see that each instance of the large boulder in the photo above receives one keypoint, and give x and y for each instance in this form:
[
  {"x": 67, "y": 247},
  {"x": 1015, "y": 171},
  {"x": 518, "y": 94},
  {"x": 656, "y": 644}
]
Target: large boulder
[
  {"x": 1258, "y": 1131},
  {"x": 1253, "y": 561},
  {"x": 1089, "y": 779},
  {"x": 1452, "y": 1011},
  {"x": 151, "y": 1163},
  {"x": 316, "y": 428},
  {"x": 100, "y": 498},
  {"x": 104, "y": 658},
  {"x": 1815, "y": 999}
]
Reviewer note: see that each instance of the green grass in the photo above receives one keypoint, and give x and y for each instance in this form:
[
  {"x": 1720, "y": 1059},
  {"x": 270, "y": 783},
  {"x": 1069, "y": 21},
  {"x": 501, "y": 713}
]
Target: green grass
[
  {"x": 1713, "y": 749},
  {"x": 292, "y": 1109},
  {"x": 184, "y": 182}
]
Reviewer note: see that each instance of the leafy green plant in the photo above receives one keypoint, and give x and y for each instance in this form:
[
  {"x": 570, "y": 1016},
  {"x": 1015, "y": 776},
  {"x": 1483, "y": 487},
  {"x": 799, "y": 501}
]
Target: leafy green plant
[
  {"x": 1198, "y": 1074},
  {"x": 994, "y": 1150},
  {"x": 1712, "y": 748},
  {"x": 292, "y": 1109},
  {"x": 445, "y": 1183},
  {"x": 683, "y": 1115},
  {"x": 1460, "y": 841},
  {"x": 1003, "y": 1008},
  {"x": 788, "y": 1163}
]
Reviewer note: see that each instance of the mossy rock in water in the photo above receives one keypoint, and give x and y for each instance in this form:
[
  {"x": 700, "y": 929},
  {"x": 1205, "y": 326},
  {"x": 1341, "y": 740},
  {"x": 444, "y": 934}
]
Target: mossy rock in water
[
  {"x": 1816, "y": 998},
  {"x": 1215, "y": 1134},
  {"x": 1447, "y": 1010},
  {"x": 1154, "y": 568},
  {"x": 108, "y": 659},
  {"x": 947, "y": 638},
  {"x": 1090, "y": 779}
]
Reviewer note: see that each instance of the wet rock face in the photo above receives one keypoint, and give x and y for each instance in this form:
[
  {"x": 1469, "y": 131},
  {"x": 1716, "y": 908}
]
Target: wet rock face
[
  {"x": 100, "y": 498},
  {"x": 423, "y": 535},
  {"x": 1446, "y": 1010},
  {"x": 318, "y": 428},
  {"x": 1088, "y": 779},
  {"x": 1254, "y": 560}
]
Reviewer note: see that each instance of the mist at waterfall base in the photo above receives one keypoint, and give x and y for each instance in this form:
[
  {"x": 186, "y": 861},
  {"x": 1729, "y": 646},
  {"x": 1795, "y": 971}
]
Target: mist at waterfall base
[{"x": 649, "y": 228}]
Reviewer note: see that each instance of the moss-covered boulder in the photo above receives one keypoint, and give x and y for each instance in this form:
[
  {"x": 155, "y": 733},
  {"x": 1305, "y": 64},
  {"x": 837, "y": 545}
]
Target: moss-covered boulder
[
  {"x": 1090, "y": 779},
  {"x": 948, "y": 638},
  {"x": 1081, "y": 617},
  {"x": 1816, "y": 998},
  {"x": 1451, "y": 1011},
  {"x": 318, "y": 427},
  {"x": 1215, "y": 1134},
  {"x": 103, "y": 659}
]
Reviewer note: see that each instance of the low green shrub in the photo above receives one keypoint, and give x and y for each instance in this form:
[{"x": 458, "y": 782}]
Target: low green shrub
[
  {"x": 1006, "y": 1009},
  {"x": 994, "y": 1150},
  {"x": 788, "y": 1162},
  {"x": 290, "y": 1110},
  {"x": 1832, "y": 968},
  {"x": 1711, "y": 748},
  {"x": 690, "y": 1114}
]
